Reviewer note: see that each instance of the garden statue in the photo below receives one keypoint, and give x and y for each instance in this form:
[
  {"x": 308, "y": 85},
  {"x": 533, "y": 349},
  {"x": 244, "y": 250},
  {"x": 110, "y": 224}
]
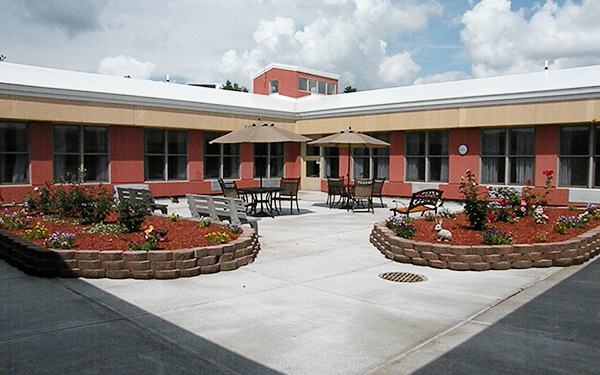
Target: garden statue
[
  {"x": 442, "y": 234},
  {"x": 539, "y": 215}
]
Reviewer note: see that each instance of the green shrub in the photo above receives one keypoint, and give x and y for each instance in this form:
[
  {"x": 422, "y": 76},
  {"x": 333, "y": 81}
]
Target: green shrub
[
  {"x": 132, "y": 215},
  {"x": 476, "y": 206}
]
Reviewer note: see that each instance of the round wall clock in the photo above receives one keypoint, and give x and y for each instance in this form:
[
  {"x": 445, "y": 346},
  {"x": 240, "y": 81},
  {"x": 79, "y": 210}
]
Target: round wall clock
[{"x": 463, "y": 149}]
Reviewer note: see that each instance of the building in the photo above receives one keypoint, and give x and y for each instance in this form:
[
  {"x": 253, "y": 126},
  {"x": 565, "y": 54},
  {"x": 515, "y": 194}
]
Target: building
[
  {"x": 294, "y": 81},
  {"x": 507, "y": 129}
]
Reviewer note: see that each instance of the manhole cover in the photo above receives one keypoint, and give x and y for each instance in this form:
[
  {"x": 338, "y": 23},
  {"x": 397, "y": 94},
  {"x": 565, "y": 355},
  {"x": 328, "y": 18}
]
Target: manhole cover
[{"x": 402, "y": 277}]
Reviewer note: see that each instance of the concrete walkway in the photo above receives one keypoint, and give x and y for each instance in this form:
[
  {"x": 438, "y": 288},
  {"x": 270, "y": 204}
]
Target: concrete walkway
[{"x": 311, "y": 303}]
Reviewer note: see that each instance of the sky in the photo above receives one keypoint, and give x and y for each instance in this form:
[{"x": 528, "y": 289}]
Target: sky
[{"x": 370, "y": 43}]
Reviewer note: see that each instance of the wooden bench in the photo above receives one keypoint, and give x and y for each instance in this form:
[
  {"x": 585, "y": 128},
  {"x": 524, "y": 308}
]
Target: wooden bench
[
  {"x": 220, "y": 209},
  {"x": 421, "y": 201},
  {"x": 143, "y": 196}
]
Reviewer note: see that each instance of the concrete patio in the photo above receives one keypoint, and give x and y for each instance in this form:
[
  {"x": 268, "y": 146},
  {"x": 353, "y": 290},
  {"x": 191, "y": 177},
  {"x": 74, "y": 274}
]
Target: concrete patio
[{"x": 311, "y": 303}]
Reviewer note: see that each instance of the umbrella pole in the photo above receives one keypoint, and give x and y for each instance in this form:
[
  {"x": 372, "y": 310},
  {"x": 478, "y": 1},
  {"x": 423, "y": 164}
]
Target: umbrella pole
[{"x": 349, "y": 164}]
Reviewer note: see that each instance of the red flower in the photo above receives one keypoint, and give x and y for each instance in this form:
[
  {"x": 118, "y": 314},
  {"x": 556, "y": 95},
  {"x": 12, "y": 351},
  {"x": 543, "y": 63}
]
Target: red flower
[
  {"x": 548, "y": 173},
  {"x": 528, "y": 181}
]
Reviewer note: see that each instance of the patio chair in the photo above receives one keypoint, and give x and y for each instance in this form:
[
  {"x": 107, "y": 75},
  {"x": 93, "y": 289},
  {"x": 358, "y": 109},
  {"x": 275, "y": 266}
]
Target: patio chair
[
  {"x": 289, "y": 192},
  {"x": 229, "y": 189},
  {"x": 335, "y": 188},
  {"x": 377, "y": 188},
  {"x": 362, "y": 196}
]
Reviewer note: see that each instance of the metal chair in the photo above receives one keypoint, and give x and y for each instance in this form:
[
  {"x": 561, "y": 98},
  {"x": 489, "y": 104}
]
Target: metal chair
[
  {"x": 229, "y": 189},
  {"x": 289, "y": 192},
  {"x": 377, "y": 188},
  {"x": 362, "y": 196},
  {"x": 335, "y": 188}
]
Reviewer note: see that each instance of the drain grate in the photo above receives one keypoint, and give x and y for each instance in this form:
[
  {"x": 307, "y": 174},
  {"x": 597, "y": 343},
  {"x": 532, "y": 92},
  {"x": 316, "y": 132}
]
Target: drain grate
[{"x": 402, "y": 277}]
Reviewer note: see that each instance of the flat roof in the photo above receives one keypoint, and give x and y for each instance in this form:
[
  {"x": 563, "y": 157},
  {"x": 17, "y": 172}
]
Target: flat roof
[
  {"x": 299, "y": 69},
  {"x": 544, "y": 86}
]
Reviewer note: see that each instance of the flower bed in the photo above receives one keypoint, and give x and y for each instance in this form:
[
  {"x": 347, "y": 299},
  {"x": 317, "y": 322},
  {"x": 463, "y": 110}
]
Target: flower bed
[
  {"x": 118, "y": 264},
  {"x": 574, "y": 251}
]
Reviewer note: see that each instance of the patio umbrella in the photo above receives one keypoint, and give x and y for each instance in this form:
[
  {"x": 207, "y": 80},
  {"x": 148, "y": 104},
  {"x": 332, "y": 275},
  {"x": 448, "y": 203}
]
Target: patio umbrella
[
  {"x": 260, "y": 133},
  {"x": 349, "y": 138}
]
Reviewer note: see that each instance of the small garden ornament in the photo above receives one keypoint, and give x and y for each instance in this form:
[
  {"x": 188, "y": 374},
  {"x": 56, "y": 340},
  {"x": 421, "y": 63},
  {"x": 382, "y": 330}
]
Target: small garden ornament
[
  {"x": 442, "y": 234},
  {"x": 539, "y": 215}
]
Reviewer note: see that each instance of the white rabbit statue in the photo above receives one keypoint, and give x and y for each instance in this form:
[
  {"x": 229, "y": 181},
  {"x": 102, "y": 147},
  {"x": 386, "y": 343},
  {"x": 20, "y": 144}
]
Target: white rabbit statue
[{"x": 442, "y": 234}]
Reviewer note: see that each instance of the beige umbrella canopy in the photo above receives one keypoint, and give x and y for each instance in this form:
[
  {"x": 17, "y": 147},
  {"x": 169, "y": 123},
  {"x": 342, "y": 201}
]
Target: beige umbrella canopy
[
  {"x": 260, "y": 133},
  {"x": 349, "y": 138}
]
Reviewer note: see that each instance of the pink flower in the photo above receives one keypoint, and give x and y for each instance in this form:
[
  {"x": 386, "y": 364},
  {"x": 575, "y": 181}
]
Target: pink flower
[
  {"x": 522, "y": 208},
  {"x": 36, "y": 188},
  {"x": 523, "y": 203}
]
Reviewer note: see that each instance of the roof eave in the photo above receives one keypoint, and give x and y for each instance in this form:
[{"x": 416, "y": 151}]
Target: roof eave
[{"x": 466, "y": 102}]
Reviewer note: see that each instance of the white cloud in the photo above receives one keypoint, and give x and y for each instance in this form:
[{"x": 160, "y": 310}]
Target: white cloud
[
  {"x": 347, "y": 37},
  {"x": 502, "y": 41},
  {"x": 126, "y": 66},
  {"x": 442, "y": 77},
  {"x": 398, "y": 69}
]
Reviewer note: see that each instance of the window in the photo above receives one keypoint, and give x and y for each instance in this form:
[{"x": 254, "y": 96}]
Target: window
[
  {"x": 426, "y": 155},
  {"x": 579, "y": 156},
  {"x": 316, "y": 86},
  {"x": 507, "y": 155},
  {"x": 14, "y": 153},
  {"x": 312, "y": 158},
  {"x": 268, "y": 160},
  {"x": 274, "y": 86},
  {"x": 165, "y": 155},
  {"x": 81, "y": 150},
  {"x": 331, "y": 156},
  {"x": 220, "y": 159},
  {"x": 372, "y": 162}
]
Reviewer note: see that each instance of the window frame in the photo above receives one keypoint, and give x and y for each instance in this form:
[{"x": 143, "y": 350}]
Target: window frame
[
  {"x": 81, "y": 153},
  {"x": 373, "y": 158},
  {"x": 316, "y": 86},
  {"x": 425, "y": 156},
  {"x": 509, "y": 158},
  {"x": 273, "y": 160},
  {"x": 274, "y": 86},
  {"x": 166, "y": 155},
  {"x": 227, "y": 152},
  {"x": 21, "y": 129},
  {"x": 590, "y": 158}
]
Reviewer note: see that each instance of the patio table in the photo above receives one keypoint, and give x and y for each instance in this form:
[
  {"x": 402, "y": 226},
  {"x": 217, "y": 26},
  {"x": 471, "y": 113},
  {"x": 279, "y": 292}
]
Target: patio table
[{"x": 263, "y": 197}]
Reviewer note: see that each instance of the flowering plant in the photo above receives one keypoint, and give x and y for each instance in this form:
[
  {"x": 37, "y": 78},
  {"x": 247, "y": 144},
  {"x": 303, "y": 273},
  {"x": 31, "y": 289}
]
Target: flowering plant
[
  {"x": 37, "y": 233},
  {"x": 14, "y": 220},
  {"x": 493, "y": 236},
  {"x": 204, "y": 221},
  {"x": 217, "y": 237},
  {"x": 60, "y": 240},
  {"x": 403, "y": 227},
  {"x": 234, "y": 229}
]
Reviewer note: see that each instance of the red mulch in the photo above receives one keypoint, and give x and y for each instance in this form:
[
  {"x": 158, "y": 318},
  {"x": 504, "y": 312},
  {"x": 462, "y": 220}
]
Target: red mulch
[
  {"x": 524, "y": 231},
  {"x": 183, "y": 234}
]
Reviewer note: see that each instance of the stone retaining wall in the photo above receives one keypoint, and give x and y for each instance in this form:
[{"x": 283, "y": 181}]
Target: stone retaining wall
[
  {"x": 156, "y": 264},
  {"x": 486, "y": 257}
]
